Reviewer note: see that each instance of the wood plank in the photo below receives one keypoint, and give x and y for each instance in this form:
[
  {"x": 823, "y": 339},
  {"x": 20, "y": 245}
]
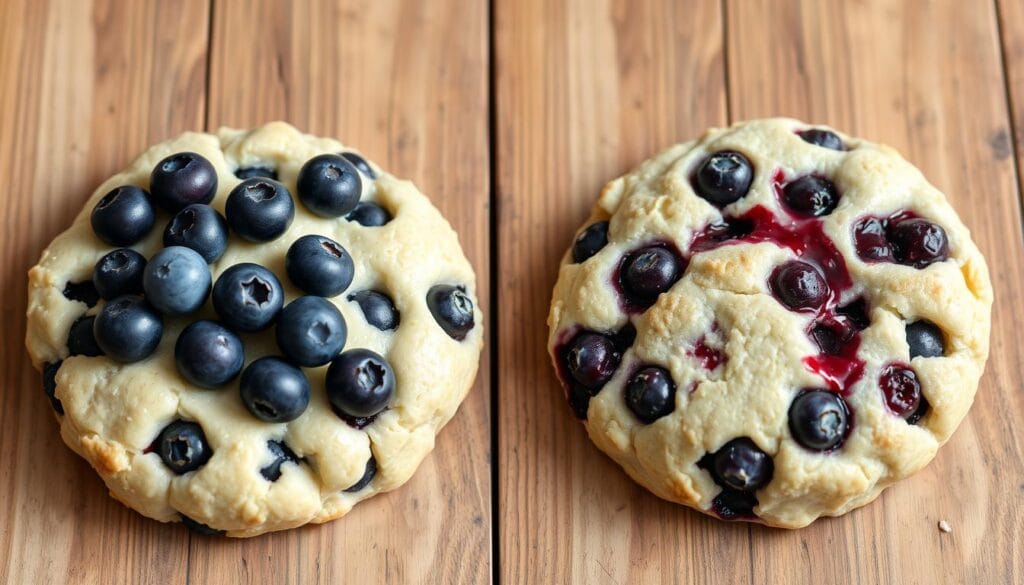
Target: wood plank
[
  {"x": 585, "y": 90},
  {"x": 84, "y": 88},
  {"x": 1011, "y": 21},
  {"x": 406, "y": 83}
]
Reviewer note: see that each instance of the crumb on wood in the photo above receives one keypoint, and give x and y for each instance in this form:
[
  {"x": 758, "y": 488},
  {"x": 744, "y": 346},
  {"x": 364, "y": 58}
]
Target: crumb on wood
[{"x": 945, "y": 527}]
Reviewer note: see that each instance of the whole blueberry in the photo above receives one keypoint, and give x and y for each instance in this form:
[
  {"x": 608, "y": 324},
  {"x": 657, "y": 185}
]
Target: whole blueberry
[
  {"x": 201, "y": 228},
  {"x": 377, "y": 308},
  {"x": 81, "y": 339},
  {"x": 919, "y": 242},
  {"x": 247, "y": 297},
  {"x": 368, "y": 472},
  {"x": 256, "y": 172},
  {"x": 743, "y": 466},
  {"x": 360, "y": 383},
  {"x": 650, "y": 271},
  {"x": 260, "y": 210},
  {"x": 590, "y": 241},
  {"x": 592, "y": 359},
  {"x": 176, "y": 280},
  {"x": 208, "y": 354},
  {"x": 369, "y": 214},
  {"x": 871, "y": 239},
  {"x": 119, "y": 273},
  {"x": 822, "y": 138},
  {"x": 311, "y": 331},
  {"x": 319, "y": 266},
  {"x": 925, "y": 339},
  {"x": 901, "y": 390},
  {"x": 359, "y": 163},
  {"x": 799, "y": 286},
  {"x": 452, "y": 309},
  {"x": 183, "y": 447},
  {"x": 811, "y": 196},
  {"x": 329, "y": 185},
  {"x": 651, "y": 394},
  {"x": 124, "y": 216},
  {"x": 182, "y": 179},
  {"x": 280, "y": 454},
  {"x": 723, "y": 178},
  {"x": 128, "y": 329},
  {"x": 819, "y": 419},
  {"x": 274, "y": 390}
]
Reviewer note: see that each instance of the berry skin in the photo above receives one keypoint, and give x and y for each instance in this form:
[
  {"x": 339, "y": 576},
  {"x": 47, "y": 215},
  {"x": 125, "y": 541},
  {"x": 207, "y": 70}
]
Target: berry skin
[
  {"x": 81, "y": 339},
  {"x": 119, "y": 273},
  {"x": 650, "y": 271},
  {"x": 260, "y": 210},
  {"x": 724, "y": 178},
  {"x": 50, "y": 385},
  {"x": 651, "y": 394},
  {"x": 311, "y": 331},
  {"x": 82, "y": 292},
  {"x": 592, "y": 359},
  {"x": 256, "y": 172},
  {"x": 871, "y": 239},
  {"x": 743, "y": 466},
  {"x": 901, "y": 391},
  {"x": 208, "y": 354},
  {"x": 176, "y": 280},
  {"x": 377, "y": 308},
  {"x": 200, "y": 528},
  {"x": 247, "y": 297},
  {"x": 281, "y": 454},
  {"x": 360, "y": 383},
  {"x": 452, "y": 309},
  {"x": 201, "y": 228},
  {"x": 319, "y": 266},
  {"x": 819, "y": 419},
  {"x": 590, "y": 241},
  {"x": 368, "y": 214},
  {"x": 181, "y": 180},
  {"x": 274, "y": 390},
  {"x": 123, "y": 216},
  {"x": 370, "y": 471},
  {"x": 182, "y": 446},
  {"x": 359, "y": 163},
  {"x": 919, "y": 242},
  {"x": 811, "y": 196},
  {"x": 329, "y": 185},
  {"x": 799, "y": 286},
  {"x": 822, "y": 138},
  {"x": 925, "y": 339},
  {"x": 128, "y": 329}
]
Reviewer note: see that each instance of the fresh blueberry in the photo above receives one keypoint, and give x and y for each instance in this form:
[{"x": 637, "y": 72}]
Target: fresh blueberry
[
  {"x": 360, "y": 383},
  {"x": 128, "y": 329},
  {"x": 592, "y": 359},
  {"x": 723, "y": 178},
  {"x": 650, "y": 271},
  {"x": 799, "y": 286},
  {"x": 901, "y": 391},
  {"x": 319, "y": 266},
  {"x": 50, "y": 385},
  {"x": 176, "y": 280},
  {"x": 359, "y": 163},
  {"x": 377, "y": 308},
  {"x": 200, "y": 528},
  {"x": 743, "y": 466},
  {"x": 181, "y": 180},
  {"x": 256, "y": 172},
  {"x": 452, "y": 309},
  {"x": 81, "y": 339},
  {"x": 819, "y": 419},
  {"x": 822, "y": 138},
  {"x": 579, "y": 400},
  {"x": 208, "y": 354},
  {"x": 368, "y": 473},
  {"x": 590, "y": 241},
  {"x": 201, "y": 228},
  {"x": 274, "y": 390},
  {"x": 83, "y": 292},
  {"x": 925, "y": 339},
  {"x": 247, "y": 297},
  {"x": 871, "y": 239},
  {"x": 329, "y": 185},
  {"x": 311, "y": 331},
  {"x": 260, "y": 210},
  {"x": 369, "y": 214},
  {"x": 182, "y": 446},
  {"x": 119, "y": 273},
  {"x": 124, "y": 216},
  {"x": 651, "y": 394},
  {"x": 919, "y": 242},
  {"x": 811, "y": 196},
  {"x": 281, "y": 454}
]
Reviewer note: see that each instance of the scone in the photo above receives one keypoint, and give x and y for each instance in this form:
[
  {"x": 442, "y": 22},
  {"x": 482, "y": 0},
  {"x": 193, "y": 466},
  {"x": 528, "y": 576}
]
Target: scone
[
  {"x": 248, "y": 331},
  {"x": 771, "y": 323}
]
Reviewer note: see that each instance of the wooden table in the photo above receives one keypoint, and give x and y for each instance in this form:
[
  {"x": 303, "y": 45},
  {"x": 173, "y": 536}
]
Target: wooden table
[{"x": 511, "y": 115}]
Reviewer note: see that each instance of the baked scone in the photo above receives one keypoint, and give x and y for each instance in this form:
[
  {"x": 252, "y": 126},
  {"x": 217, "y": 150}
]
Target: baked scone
[
  {"x": 252, "y": 330},
  {"x": 771, "y": 323}
]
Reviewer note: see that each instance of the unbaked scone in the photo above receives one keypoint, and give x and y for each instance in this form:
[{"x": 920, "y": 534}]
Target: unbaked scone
[
  {"x": 771, "y": 323},
  {"x": 252, "y": 330}
]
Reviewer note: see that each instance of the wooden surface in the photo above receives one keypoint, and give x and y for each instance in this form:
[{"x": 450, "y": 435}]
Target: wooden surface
[{"x": 574, "y": 93}]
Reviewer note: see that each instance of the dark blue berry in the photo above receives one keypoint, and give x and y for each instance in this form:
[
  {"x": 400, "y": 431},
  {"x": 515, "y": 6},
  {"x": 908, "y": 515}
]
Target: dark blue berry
[
  {"x": 822, "y": 138},
  {"x": 919, "y": 242},
  {"x": 260, "y": 210},
  {"x": 182, "y": 446},
  {"x": 81, "y": 339},
  {"x": 368, "y": 473},
  {"x": 871, "y": 239},
  {"x": 176, "y": 280},
  {"x": 119, "y": 273},
  {"x": 360, "y": 383},
  {"x": 128, "y": 329},
  {"x": 452, "y": 309},
  {"x": 50, "y": 385},
  {"x": 650, "y": 271},
  {"x": 200, "y": 528},
  {"x": 378, "y": 310},
  {"x": 590, "y": 241},
  {"x": 311, "y": 331},
  {"x": 83, "y": 292},
  {"x": 329, "y": 185},
  {"x": 274, "y": 390},
  {"x": 799, "y": 286},
  {"x": 901, "y": 390},
  {"x": 819, "y": 419},
  {"x": 181, "y": 180},
  {"x": 280, "y": 454},
  {"x": 591, "y": 359},
  {"x": 201, "y": 228},
  {"x": 256, "y": 172},
  {"x": 743, "y": 466},
  {"x": 925, "y": 339},
  {"x": 319, "y": 266},
  {"x": 124, "y": 216},
  {"x": 723, "y": 178},
  {"x": 359, "y": 163},
  {"x": 248, "y": 297},
  {"x": 811, "y": 196},
  {"x": 208, "y": 354},
  {"x": 369, "y": 214},
  {"x": 651, "y": 394}
]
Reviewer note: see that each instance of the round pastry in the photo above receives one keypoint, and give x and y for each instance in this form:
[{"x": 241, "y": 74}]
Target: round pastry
[
  {"x": 248, "y": 331},
  {"x": 771, "y": 323}
]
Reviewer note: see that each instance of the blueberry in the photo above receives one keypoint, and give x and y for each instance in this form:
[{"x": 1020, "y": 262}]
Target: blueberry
[
  {"x": 919, "y": 242},
  {"x": 311, "y": 331},
  {"x": 208, "y": 354},
  {"x": 329, "y": 185},
  {"x": 181, "y": 180},
  {"x": 360, "y": 383},
  {"x": 590, "y": 241},
  {"x": 819, "y": 419},
  {"x": 359, "y": 163},
  {"x": 651, "y": 394},
  {"x": 124, "y": 216},
  {"x": 743, "y": 466},
  {"x": 650, "y": 271},
  {"x": 369, "y": 214},
  {"x": 319, "y": 266},
  {"x": 247, "y": 297},
  {"x": 201, "y": 228},
  {"x": 822, "y": 138},
  {"x": 200, "y": 528},
  {"x": 256, "y": 172},
  {"x": 176, "y": 280},
  {"x": 799, "y": 286},
  {"x": 260, "y": 210},
  {"x": 368, "y": 473},
  {"x": 50, "y": 385},
  {"x": 274, "y": 390},
  {"x": 182, "y": 446},
  {"x": 901, "y": 391},
  {"x": 579, "y": 400},
  {"x": 119, "y": 273},
  {"x": 281, "y": 454},
  {"x": 871, "y": 239},
  {"x": 811, "y": 196},
  {"x": 377, "y": 308},
  {"x": 81, "y": 339},
  {"x": 83, "y": 292},
  {"x": 925, "y": 339},
  {"x": 128, "y": 329},
  {"x": 723, "y": 178},
  {"x": 592, "y": 359},
  {"x": 452, "y": 309}
]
